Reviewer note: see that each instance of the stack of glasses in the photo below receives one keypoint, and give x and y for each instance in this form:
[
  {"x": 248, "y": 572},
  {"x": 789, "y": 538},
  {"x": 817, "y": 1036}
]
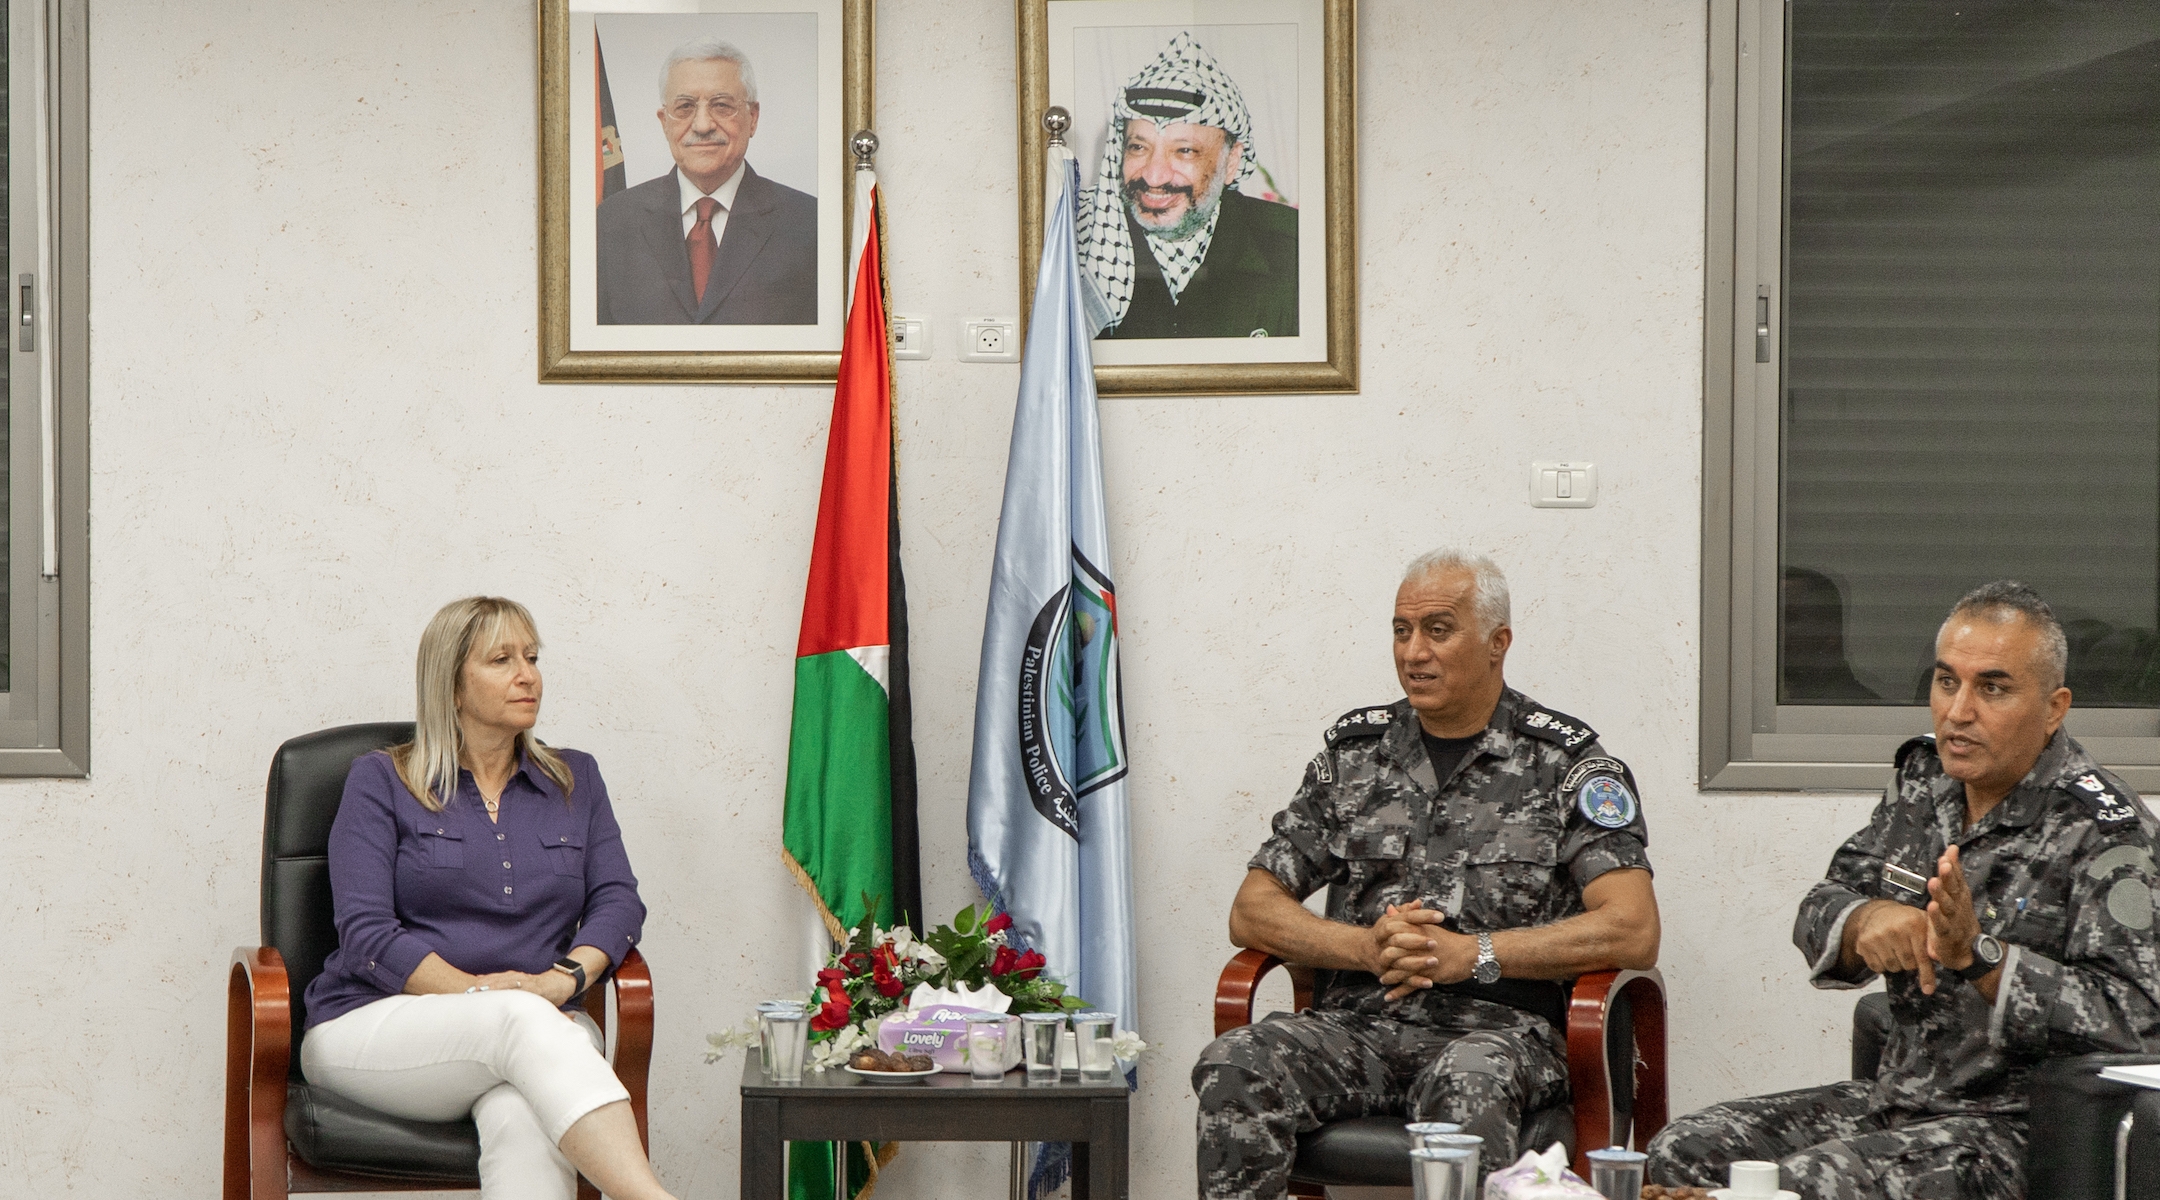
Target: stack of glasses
[{"x": 1443, "y": 1161}]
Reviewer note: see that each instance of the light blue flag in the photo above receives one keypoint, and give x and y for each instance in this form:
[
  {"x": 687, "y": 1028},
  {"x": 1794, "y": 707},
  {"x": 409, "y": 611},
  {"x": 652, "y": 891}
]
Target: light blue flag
[{"x": 1048, "y": 837}]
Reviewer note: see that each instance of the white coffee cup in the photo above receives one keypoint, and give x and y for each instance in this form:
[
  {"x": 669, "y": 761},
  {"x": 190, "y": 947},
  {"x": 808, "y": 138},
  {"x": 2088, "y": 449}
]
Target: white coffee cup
[{"x": 1753, "y": 1181}]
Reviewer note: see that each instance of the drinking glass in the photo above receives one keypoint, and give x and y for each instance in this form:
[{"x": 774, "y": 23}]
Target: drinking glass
[
  {"x": 1442, "y": 1172},
  {"x": 1471, "y": 1144},
  {"x": 790, "y": 1044},
  {"x": 986, "y": 1045},
  {"x": 1421, "y": 1130},
  {"x": 1617, "y": 1173},
  {"x": 1039, "y": 1033},
  {"x": 1092, "y": 1034},
  {"x": 764, "y": 1029}
]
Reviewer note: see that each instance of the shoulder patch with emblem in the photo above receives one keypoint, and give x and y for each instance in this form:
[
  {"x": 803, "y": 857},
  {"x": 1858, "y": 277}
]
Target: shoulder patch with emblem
[
  {"x": 1323, "y": 770},
  {"x": 1361, "y": 722},
  {"x": 2109, "y": 805},
  {"x": 1925, "y": 741},
  {"x": 1601, "y": 792},
  {"x": 1558, "y": 728}
]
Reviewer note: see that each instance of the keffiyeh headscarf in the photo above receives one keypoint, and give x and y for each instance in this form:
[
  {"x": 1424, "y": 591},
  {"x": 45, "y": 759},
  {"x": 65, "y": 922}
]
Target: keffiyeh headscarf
[{"x": 1183, "y": 84}]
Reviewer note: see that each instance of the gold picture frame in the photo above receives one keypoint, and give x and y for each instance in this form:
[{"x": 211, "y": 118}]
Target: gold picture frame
[
  {"x": 576, "y": 344},
  {"x": 1049, "y": 32}
]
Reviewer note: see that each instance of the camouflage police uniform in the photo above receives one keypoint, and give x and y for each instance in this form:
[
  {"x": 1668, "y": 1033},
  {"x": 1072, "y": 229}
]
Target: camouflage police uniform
[
  {"x": 2061, "y": 871},
  {"x": 1531, "y": 815}
]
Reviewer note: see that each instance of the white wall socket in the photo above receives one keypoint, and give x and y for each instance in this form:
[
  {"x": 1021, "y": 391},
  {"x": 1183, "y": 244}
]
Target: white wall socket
[
  {"x": 1563, "y": 485},
  {"x": 910, "y": 337},
  {"x": 990, "y": 339}
]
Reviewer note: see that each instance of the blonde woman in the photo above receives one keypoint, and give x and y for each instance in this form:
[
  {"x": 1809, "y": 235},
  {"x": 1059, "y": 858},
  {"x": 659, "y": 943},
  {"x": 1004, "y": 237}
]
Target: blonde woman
[{"x": 480, "y": 886}]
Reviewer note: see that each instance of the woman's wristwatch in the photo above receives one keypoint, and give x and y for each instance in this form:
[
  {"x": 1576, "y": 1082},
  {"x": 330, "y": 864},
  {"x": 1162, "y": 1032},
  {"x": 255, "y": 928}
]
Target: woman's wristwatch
[{"x": 575, "y": 970}]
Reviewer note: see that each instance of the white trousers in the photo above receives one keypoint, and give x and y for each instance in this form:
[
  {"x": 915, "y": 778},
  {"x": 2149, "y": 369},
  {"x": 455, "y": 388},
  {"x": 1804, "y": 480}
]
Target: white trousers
[{"x": 511, "y": 1059}]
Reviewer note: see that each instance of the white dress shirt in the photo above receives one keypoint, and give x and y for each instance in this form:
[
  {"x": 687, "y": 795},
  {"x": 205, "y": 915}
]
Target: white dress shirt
[{"x": 725, "y": 194}]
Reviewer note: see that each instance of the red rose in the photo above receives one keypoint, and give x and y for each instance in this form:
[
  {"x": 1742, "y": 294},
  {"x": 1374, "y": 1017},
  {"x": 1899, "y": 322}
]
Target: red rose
[
  {"x": 884, "y": 958},
  {"x": 1030, "y": 965},
  {"x": 833, "y": 976},
  {"x": 856, "y": 964},
  {"x": 833, "y": 1014},
  {"x": 1005, "y": 961},
  {"x": 998, "y": 924},
  {"x": 888, "y": 984}
]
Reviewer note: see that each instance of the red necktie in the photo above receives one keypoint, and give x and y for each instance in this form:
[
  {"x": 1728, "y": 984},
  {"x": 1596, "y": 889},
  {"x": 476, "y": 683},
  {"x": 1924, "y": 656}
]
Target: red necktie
[{"x": 702, "y": 245}]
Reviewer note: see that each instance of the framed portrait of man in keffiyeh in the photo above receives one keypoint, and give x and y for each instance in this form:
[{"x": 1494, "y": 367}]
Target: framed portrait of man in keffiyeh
[
  {"x": 694, "y": 186},
  {"x": 1216, "y": 220}
]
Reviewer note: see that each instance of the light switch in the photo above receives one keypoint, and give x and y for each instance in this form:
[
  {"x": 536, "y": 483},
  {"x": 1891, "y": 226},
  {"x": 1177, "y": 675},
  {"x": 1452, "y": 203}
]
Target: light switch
[{"x": 1563, "y": 484}]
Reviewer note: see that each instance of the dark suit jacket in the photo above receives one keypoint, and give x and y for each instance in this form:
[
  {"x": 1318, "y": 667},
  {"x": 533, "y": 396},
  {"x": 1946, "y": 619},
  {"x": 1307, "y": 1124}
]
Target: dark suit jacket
[
  {"x": 1248, "y": 282},
  {"x": 766, "y": 272}
]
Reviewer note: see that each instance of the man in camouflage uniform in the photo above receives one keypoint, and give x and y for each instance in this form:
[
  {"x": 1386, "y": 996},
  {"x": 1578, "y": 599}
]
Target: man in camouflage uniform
[
  {"x": 1459, "y": 899},
  {"x": 2004, "y": 888}
]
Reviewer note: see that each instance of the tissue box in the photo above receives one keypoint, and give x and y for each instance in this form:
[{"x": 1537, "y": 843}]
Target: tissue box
[{"x": 940, "y": 1031}]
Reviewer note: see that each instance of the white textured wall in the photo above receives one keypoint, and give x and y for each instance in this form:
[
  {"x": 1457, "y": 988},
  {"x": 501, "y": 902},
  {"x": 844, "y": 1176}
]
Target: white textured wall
[{"x": 315, "y": 420}]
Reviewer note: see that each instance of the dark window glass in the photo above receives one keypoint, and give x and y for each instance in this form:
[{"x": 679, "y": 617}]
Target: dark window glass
[{"x": 1972, "y": 336}]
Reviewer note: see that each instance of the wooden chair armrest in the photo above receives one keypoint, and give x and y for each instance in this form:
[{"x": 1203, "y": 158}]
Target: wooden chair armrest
[
  {"x": 632, "y": 982},
  {"x": 258, "y": 1053},
  {"x": 1589, "y": 1067},
  {"x": 1241, "y": 977}
]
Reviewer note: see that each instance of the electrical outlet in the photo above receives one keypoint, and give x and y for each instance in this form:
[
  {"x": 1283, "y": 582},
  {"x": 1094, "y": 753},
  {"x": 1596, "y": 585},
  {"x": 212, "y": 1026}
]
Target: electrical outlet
[
  {"x": 910, "y": 337},
  {"x": 990, "y": 339}
]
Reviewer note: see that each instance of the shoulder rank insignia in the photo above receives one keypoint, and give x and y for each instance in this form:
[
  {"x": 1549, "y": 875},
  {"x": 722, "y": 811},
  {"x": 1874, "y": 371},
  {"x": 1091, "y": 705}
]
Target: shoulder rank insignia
[
  {"x": 1925, "y": 741},
  {"x": 1362, "y": 722},
  {"x": 1599, "y": 787},
  {"x": 2109, "y": 807},
  {"x": 1558, "y": 728}
]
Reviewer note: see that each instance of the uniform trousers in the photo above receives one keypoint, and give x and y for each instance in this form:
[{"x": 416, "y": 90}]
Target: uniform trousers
[
  {"x": 1828, "y": 1146},
  {"x": 1261, "y": 1085},
  {"x": 524, "y": 1072}
]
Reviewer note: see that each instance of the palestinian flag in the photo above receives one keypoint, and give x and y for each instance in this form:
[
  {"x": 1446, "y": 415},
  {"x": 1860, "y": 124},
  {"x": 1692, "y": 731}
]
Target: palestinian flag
[
  {"x": 849, "y": 831},
  {"x": 609, "y": 176}
]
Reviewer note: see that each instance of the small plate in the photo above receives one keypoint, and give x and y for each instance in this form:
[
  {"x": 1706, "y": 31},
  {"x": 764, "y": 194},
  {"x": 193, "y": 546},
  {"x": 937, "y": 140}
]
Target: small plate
[
  {"x": 894, "y": 1076},
  {"x": 1729, "y": 1194}
]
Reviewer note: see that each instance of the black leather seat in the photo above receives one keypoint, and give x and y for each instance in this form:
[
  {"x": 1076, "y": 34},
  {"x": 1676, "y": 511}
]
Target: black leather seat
[
  {"x": 1375, "y": 1151},
  {"x": 2071, "y": 1151},
  {"x": 335, "y": 1144}
]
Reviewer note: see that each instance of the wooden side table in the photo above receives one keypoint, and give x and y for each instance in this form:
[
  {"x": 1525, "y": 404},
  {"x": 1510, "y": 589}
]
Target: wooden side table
[{"x": 835, "y": 1106}]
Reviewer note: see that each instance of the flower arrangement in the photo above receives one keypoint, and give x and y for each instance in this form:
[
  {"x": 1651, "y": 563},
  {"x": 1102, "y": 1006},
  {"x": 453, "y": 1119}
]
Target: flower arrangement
[{"x": 873, "y": 971}]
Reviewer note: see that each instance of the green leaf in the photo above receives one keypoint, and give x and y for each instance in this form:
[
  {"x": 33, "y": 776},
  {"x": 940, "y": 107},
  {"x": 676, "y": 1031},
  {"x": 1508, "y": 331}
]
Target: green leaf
[{"x": 964, "y": 920}]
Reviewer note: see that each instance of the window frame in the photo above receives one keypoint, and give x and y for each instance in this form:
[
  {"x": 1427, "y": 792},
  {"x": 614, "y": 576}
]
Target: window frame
[
  {"x": 45, "y": 717},
  {"x": 1749, "y": 741}
]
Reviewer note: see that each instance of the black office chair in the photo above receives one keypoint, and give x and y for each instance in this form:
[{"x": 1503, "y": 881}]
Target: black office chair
[
  {"x": 283, "y": 1135},
  {"x": 1616, "y": 1079},
  {"x": 2088, "y": 1138}
]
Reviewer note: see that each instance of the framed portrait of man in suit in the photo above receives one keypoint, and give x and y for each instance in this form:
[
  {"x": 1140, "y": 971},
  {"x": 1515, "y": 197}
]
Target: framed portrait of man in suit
[
  {"x": 1216, "y": 223},
  {"x": 693, "y": 191}
]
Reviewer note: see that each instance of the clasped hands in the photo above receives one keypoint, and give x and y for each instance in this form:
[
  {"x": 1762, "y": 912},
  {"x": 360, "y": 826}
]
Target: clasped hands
[
  {"x": 1410, "y": 950},
  {"x": 555, "y": 987},
  {"x": 1889, "y": 936}
]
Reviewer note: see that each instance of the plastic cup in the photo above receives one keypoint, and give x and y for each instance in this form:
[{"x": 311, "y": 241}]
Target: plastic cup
[
  {"x": 1752, "y": 1179},
  {"x": 1039, "y": 1033},
  {"x": 1617, "y": 1173},
  {"x": 1092, "y": 1034},
  {"x": 1442, "y": 1172},
  {"x": 790, "y": 1044},
  {"x": 986, "y": 1045},
  {"x": 764, "y": 1029},
  {"x": 1421, "y": 1130},
  {"x": 1469, "y": 1143}
]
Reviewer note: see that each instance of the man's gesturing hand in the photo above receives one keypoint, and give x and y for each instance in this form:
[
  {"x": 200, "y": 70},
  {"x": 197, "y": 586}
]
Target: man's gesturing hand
[
  {"x": 1952, "y": 924},
  {"x": 1890, "y": 937}
]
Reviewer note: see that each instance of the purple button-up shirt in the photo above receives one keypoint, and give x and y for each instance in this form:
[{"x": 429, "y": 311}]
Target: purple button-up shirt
[{"x": 486, "y": 896}]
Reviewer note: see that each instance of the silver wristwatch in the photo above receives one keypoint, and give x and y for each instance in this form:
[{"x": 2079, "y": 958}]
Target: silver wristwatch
[
  {"x": 1987, "y": 955},
  {"x": 1487, "y": 969}
]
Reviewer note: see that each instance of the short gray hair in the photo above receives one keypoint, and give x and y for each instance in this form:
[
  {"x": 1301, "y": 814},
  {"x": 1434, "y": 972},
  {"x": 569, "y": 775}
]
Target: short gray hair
[
  {"x": 2007, "y": 598},
  {"x": 705, "y": 49},
  {"x": 1488, "y": 586}
]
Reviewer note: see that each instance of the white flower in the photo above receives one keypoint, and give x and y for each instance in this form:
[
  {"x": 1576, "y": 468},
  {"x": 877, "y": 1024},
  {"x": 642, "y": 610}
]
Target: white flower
[
  {"x": 908, "y": 949},
  {"x": 831, "y": 1053},
  {"x": 729, "y": 1039},
  {"x": 1128, "y": 1047}
]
